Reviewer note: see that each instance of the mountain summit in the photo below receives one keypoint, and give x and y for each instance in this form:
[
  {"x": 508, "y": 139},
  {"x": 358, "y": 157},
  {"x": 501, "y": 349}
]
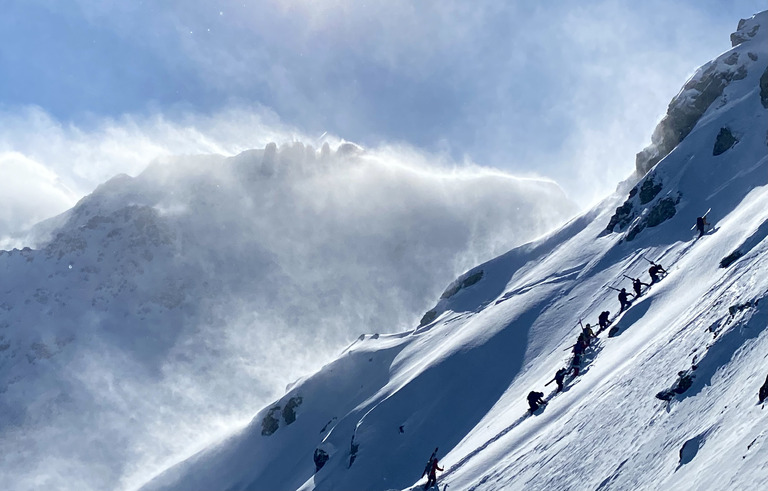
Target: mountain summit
[{"x": 665, "y": 397}]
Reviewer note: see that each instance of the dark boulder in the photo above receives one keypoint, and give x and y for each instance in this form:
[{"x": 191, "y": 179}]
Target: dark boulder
[
  {"x": 662, "y": 211},
  {"x": 428, "y": 317},
  {"x": 289, "y": 411},
  {"x": 730, "y": 258},
  {"x": 270, "y": 424},
  {"x": 649, "y": 190},
  {"x": 622, "y": 217},
  {"x": 724, "y": 141},
  {"x": 320, "y": 457}
]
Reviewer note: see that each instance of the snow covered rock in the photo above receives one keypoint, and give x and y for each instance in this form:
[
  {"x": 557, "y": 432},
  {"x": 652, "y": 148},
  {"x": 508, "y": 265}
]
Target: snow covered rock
[
  {"x": 725, "y": 140},
  {"x": 704, "y": 88}
]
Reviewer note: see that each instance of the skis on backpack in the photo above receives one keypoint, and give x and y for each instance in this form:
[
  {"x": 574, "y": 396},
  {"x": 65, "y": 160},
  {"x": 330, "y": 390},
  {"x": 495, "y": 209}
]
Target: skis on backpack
[{"x": 703, "y": 216}]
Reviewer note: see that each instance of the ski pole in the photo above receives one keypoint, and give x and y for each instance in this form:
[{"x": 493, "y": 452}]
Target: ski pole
[
  {"x": 629, "y": 277},
  {"x": 612, "y": 288}
]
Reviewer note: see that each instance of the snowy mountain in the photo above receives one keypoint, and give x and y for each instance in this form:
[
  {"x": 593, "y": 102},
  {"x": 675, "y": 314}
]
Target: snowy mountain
[
  {"x": 159, "y": 310},
  {"x": 666, "y": 397}
]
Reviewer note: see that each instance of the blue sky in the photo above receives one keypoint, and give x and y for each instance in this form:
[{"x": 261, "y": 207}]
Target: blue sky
[{"x": 565, "y": 90}]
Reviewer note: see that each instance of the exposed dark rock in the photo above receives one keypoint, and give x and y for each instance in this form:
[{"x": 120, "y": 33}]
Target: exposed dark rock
[
  {"x": 327, "y": 424},
  {"x": 734, "y": 309},
  {"x": 683, "y": 383},
  {"x": 752, "y": 56},
  {"x": 353, "y": 448},
  {"x": 724, "y": 141},
  {"x": 472, "y": 279},
  {"x": 269, "y": 160},
  {"x": 289, "y": 411},
  {"x": 684, "y": 112},
  {"x": 740, "y": 73},
  {"x": 732, "y": 59},
  {"x": 270, "y": 424},
  {"x": 649, "y": 190},
  {"x": 730, "y": 258},
  {"x": 428, "y": 317},
  {"x": 690, "y": 448},
  {"x": 764, "y": 88},
  {"x": 662, "y": 211},
  {"x": 623, "y": 216},
  {"x": 320, "y": 457},
  {"x": 666, "y": 395},
  {"x": 462, "y": 282},
  {"x": 632, "y": 233},
  {"x": 741, "y": 35}
]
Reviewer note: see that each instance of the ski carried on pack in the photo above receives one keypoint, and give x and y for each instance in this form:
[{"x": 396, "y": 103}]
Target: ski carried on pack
[
  {"x": 702, "y": 216},
  {"x": 429, "y": 463}
]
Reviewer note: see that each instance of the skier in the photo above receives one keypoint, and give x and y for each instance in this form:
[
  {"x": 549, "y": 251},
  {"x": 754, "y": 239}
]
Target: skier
[
  {"x": 575, "y": 364},
  {"x": 623, "y": 299},
  {"x": 559, "y": 377},
  {"x": 701, "y": 224},
  {"x": 637, "y": 285},
  {"x": 583, "y": 339},
  {"x": 654, "y": 271},
  {"x": 432, "y": 479},
  {"x": 429, "y": 463},
  {"x": 580, "y": 345},
  {"x": 535, "y": 401},
  {"x": 588, "y": 333},
  {"x": 603, "y": 320},
  {"x": 763, "y": 394}
]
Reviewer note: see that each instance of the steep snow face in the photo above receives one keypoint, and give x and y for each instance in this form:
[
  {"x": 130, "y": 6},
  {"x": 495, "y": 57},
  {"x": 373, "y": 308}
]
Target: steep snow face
[
  {"x": 666, "y": 397},
  {"x": 161, "y": 308},
  {"x": 708, "y": 84}
]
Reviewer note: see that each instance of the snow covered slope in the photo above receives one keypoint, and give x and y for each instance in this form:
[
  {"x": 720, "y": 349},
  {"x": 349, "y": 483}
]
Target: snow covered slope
[
  {"x": 162, "y": 308},
  {"x": 459, "y": 380}
]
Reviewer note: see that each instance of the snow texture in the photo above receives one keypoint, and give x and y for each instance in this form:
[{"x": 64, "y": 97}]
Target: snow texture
[{"x": 459, "y": 381}]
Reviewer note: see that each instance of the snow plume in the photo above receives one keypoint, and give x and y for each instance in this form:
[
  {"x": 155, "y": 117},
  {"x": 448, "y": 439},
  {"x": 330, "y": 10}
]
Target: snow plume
[
  {"x": 60, "y": 162},
  {"x": 177, "y": 302}
]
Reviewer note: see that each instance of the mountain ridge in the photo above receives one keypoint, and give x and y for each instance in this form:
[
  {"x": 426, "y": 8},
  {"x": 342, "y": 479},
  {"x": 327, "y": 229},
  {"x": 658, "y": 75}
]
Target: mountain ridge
[{"x": 458, "y": 381}]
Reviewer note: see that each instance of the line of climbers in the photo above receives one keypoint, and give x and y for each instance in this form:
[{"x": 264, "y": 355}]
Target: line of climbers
[
  {"x": 584, "y": 341},
  {"x": 656, "y": 272}
]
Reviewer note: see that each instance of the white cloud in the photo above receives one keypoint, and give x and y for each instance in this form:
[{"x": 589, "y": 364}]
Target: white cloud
[
  {"x": 29, "y": 192},
  {"x": 59, "y": 162}
]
